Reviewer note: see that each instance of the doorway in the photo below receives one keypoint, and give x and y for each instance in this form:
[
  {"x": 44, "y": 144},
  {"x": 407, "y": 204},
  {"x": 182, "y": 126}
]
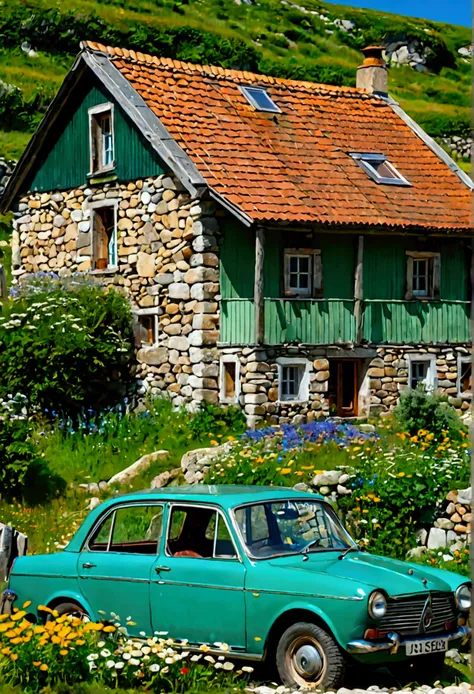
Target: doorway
[{"x": 343, "y": 391}]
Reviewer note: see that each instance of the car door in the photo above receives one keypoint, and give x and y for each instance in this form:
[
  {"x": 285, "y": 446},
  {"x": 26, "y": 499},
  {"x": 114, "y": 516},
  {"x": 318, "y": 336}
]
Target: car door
[
  {"x": 197, "y": 583},
  {"x": 115, "y": 564}
]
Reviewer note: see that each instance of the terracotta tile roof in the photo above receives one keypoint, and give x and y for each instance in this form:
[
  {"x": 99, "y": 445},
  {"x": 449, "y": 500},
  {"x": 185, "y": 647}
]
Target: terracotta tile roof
[{"x": 294, "y": 166}]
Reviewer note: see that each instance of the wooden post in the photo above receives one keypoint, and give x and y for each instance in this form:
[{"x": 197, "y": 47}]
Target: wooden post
[
  {"x": 359, "y": 289},
  {"x": 258, "y": 292}
]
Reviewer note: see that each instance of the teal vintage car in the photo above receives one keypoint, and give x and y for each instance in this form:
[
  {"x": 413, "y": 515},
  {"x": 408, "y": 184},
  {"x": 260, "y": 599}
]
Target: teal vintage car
[{"x": 270, "y": 571}]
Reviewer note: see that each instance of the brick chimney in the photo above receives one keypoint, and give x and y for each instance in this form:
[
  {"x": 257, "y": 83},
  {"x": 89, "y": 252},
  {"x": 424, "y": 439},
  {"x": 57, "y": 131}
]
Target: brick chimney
[{"x": 372, "y": 74}]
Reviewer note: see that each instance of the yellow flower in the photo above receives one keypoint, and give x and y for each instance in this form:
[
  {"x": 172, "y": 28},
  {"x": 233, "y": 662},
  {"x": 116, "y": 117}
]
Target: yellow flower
[
  {"x": 356, "y": 448},
  {"x": 109, "y": 629},
  {"x": 16, "y": 640},
  {"x": 63, "y": 651},
  {"x": 377, "y": 526},
  {"x": 36, "y": 663},
  {"x": 44, "y": 667},
  {"x": 257, "y": 638},
  {"x": 401, "y": 474},
  {"x": 18, "y": 615},
  {"x": 286, "y": 471},
  {"x": 365, "y": 511},
  {"x": 26, "y": 604},
  {"x": 214, "y": 442},
  {"x": 376, "y": 499},
  {"x": 80, "y": 642},
  {"x": 299, "y": 473},
  {"x": 14, "y": 656}
]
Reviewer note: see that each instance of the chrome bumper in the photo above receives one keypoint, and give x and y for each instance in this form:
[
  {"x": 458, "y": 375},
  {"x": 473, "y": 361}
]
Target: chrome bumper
[{"x": 395, "y": 641}]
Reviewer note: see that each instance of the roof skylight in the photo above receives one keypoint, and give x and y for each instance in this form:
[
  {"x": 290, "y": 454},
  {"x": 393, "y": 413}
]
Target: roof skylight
[
  {"x": 378, "y": 167},
  {"x": 259, "y": 99}
]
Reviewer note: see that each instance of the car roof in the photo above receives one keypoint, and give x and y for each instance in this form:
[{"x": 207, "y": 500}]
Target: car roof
[{"x": 226, "y": 496}]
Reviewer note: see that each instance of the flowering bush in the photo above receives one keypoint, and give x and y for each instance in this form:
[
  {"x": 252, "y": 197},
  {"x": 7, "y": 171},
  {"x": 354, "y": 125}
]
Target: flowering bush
[
  {"x": 68, "y": 650},
  {"x": 427, "y": 411},
  {"x": 67, "y": 342}
]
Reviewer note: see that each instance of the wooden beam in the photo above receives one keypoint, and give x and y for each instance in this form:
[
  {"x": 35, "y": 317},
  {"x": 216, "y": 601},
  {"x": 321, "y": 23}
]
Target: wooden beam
[
  {"x": 3, "y": 283},
  {"x": 258, "y": 293},
  {"x": 359, "y": 289}
]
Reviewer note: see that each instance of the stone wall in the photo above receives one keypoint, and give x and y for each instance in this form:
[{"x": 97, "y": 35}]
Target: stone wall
[{"x": 167, "y": 264}]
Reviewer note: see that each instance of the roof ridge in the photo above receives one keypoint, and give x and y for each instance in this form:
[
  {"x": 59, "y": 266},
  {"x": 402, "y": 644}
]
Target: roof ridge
[{"x": 217, "y": 72}]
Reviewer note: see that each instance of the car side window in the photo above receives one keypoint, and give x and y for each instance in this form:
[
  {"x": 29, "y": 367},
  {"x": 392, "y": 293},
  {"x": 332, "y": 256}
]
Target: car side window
[
  {"x": 199, "y": 532},
  {"x": 130, "y": 529}
]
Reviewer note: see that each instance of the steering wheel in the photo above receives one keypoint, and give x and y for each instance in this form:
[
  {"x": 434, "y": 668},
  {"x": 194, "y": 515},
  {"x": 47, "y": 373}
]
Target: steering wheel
[{"x": 187, "y": 553}]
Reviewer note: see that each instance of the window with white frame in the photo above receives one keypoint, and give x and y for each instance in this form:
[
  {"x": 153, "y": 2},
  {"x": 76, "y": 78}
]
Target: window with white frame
[
  {"x": 379, "y": 168},
  {"x": 423, "y": 275},
  {"x": 101, "y": 125},
  {"x": 104, "y": 237},
  {"x": 303, "y": 272},
  {"x": 422, "y": 370},
  {"x": 229, "y": 379},
  {"x": 146, "y": 327},
  {"x": 293, "y": 379},
  {"x": 464, "y": 377}
]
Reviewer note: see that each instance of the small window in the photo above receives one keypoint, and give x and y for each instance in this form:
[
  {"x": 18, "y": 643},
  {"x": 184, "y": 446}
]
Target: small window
[
  {"x": 422, "y": 370},
  {"x": 146, "y": 329},
  {"x": 293, "y": 380},
  {"x": 101, "y": 138},
  {"x": 465, "y": 377},
  {"x": 104, "y": 247},
  {"x": 303, "y": 272},
  {"x": 259, "y": 99},
  {"x": 200, "y": 533},
  {"x": 423, "y": 275},
  {"x": 131, "y": 530},
  {"x": 229, "y": 379},
  {"x": 378, "y": 167}
]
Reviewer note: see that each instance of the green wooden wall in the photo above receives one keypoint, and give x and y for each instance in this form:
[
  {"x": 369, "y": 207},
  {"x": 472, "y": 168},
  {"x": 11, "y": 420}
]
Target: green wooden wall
[
  {"x": 65, "y": 160},
  {"x": 387, "y": 317}
]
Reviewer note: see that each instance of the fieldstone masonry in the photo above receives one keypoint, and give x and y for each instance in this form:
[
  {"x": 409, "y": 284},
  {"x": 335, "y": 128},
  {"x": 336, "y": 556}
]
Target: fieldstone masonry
[{"x": 167, "y": 263}]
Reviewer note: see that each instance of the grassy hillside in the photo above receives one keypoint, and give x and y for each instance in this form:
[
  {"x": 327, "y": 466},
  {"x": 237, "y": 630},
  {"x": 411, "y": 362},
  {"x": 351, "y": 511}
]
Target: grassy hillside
[{"x": 39, "y": 39}]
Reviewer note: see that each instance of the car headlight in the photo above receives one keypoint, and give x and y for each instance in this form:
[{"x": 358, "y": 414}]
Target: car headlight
[
  {"x": 377, "y": 605},
  {"x": 463, "y": 598}
]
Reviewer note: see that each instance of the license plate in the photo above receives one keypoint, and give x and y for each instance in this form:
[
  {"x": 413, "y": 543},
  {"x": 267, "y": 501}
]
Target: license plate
[{"x": 424, "y": 647}]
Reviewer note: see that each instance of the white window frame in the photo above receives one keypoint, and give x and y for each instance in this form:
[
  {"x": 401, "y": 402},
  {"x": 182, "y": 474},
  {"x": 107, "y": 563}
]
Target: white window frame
[
  {"x": 247, "y": 92},
  {"x": 431, "y": 379},
  {"x": 366, "y": 161},
  {"x": 93, "y": 112},
  {"x": 433, "y": 260},
  {"x": 464, "y": 394},
  {"x": 315, "y": 272},
  {"x": 303, "y": 390},
  {"x": 229, "y": 359},
  {"x": 93, "y": 207},
  {"x": 154, "y": 311}
]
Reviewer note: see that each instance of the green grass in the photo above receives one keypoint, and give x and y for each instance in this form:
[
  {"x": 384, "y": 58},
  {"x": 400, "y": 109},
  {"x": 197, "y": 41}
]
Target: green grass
[{"x": 267, "y": 36}]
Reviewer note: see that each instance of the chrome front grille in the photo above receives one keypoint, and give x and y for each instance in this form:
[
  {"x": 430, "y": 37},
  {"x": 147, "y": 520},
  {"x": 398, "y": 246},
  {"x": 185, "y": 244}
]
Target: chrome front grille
[{"x": 419, "y": 614}]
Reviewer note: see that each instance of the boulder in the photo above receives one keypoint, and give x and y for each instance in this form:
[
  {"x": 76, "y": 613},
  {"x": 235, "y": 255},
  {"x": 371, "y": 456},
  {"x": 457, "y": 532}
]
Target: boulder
[
  {"x": 137, "y": 467},
  {"x": 327, "y": 478},
  {"x": 164, "y": 478},
  {"x": 437, "y": 538}
]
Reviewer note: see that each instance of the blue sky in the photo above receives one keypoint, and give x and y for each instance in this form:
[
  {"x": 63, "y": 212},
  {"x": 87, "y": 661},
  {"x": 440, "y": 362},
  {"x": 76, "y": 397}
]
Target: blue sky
[{"x": 452, "y": 11}]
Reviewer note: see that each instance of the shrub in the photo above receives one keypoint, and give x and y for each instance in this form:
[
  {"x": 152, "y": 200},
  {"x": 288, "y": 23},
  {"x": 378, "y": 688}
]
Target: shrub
[
  {"x": 212, "y": 419},
  {"x": 66, "y": 345},
  {"x": 23, "y": 473},
  {"x": 421, "y": 411}
]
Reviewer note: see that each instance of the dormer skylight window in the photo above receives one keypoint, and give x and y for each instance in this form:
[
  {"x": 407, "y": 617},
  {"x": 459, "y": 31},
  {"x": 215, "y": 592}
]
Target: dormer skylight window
[
  {"x": 378, "y": 167},
  {"x": 259, "y": 99}
]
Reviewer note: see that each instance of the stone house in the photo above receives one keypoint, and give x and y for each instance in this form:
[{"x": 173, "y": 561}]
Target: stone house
[{"x": 295, "y": 248}]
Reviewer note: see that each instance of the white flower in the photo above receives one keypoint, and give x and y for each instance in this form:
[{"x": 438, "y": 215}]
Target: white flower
[
  {"x": 92, "y": 666},
  {"x": 134, "y": 661},
  {"x": 247, "y": 668},
  {"x": 209, "y": 659},
  {"x": 217, "y": 666},
  {"x": 136, "y": 654},
  {"x": 165, "y": 670},
  {"x": 142, "y": 633},
  {"x": 119, "y": 665},
  {"x": 196, "y": 658},
  {"x": 105, "y": 653},
  {"x": 154, "y": 667},
  {"x": 92, "y": 656},
  {"x": 101, "y": 644},
  {"x": 146, "y": 650},
  {"x": 126, "y": 656},
  {"x": 110, "y": 663},
  {"x": 169, "y": 660},
  {"x": 228, "y": 666}
]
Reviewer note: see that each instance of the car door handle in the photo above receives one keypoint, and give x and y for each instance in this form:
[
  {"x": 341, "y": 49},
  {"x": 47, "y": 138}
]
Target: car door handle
[
  {"x": 88, "y": 565},
  {"x": 159, "y": 569}
]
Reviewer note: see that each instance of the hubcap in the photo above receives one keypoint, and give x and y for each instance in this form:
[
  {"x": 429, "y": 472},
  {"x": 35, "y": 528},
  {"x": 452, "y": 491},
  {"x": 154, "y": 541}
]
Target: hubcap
[{"x": 308, "y": 662}]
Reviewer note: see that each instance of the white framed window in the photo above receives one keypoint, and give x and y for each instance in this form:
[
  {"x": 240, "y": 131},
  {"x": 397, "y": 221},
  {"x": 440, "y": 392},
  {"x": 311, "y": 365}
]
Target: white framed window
[
  {"x": 293, "y": 379},
  {"x": 229, "y": 379},
  {"x": 101, "y": 138},
  {"x": 259, "y": 98},
  {"x": 303, "y": 272},
  {"x": 146, "y": 327},
  {"x": 423, "y": 275},
  {"x": 422, "y": 369},
  {"x": 379, "y": 168},
  {"x": 104, "y": 235},
  {"x": 464, "y": 380}
]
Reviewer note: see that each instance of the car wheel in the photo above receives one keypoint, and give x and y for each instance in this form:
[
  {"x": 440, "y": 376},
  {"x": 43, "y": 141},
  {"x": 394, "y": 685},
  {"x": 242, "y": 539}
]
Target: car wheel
[
  {"x": 308, "y": 657},
  {"x": 72, "y": 609}
]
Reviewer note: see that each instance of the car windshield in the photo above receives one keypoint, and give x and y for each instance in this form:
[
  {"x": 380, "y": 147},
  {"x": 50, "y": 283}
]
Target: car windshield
[{"x": 288, "y": 527}]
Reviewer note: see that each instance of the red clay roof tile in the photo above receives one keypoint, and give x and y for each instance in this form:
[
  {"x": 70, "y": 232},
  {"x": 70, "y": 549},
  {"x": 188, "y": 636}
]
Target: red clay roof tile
[{"x": 295, "y": 166}]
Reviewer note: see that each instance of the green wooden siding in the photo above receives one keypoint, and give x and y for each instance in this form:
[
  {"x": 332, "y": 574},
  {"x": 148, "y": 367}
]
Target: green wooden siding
[
  {"x": 387, "y": 317},
  {"x": 65, "y": 160}
]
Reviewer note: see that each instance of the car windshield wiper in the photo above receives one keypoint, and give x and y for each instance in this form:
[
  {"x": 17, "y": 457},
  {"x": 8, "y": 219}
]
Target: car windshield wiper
[
  {"x": 307, "y": 547},
  {"x": 352, "y": 548}
]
